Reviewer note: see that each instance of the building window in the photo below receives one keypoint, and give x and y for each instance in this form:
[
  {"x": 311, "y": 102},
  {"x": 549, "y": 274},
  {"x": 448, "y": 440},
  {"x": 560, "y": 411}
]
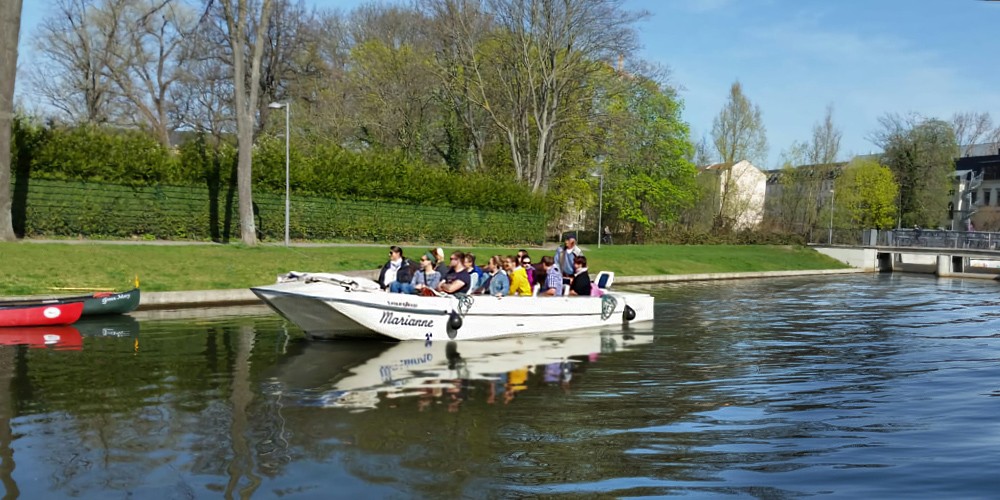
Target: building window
[
  {"x": 974, "y": 197},
  {"x": 986, "y": 198}
]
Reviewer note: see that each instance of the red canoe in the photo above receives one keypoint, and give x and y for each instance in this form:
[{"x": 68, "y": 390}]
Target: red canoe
[
  {"x": 41, "y": 314},
  {"x": 60, "y": 337}
]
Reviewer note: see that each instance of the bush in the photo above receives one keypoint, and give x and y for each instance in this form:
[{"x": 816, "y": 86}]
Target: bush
[
  {"x": 103, "y": 182},
  {"x": 92, "y": 153},
  {"x": 97, "y": 210}
]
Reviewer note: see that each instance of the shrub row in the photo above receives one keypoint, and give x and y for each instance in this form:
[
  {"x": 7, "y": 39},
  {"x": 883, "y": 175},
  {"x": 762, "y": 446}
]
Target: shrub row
[
  {"x": 317, "y": 168},
  {"x": 679, "y": 235},
  {"x": 101, "y": 210}
]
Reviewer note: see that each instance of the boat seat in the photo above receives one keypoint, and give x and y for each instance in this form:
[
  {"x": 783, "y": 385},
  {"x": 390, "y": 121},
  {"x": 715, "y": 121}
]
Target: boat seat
[
  {"x": 565, "y": 290},
  {"x": 534, "y": 289},
  {"x": 605, "y": 279}
]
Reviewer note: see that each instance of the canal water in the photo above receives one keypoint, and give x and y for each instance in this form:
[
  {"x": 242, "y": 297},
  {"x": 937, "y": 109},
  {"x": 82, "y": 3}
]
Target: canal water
[{"x": 864, "y": 386}]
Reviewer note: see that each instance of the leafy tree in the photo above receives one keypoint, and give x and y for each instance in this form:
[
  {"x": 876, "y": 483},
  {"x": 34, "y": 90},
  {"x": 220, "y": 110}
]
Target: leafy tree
[
  {"x": 971, "y": 129},
  {"x": 920, "y": 153},
  {"x": 527, "y": 74},
  {"x": 393, "y": 101},
  {"x": 454, "y": 28},
  {"x": 865, "y": 195},
  {"x": 797, "y": 207},
  {"x": 702, "y": 154},
  {"x": 825, "y": 146},
  {"x": 808, "y": 171},
  {"x": 10, "y": 29},
  {"x": 649, "y": 177},
  {"x": 738, "y": 131},
  {"x": 738, "y": 134}
]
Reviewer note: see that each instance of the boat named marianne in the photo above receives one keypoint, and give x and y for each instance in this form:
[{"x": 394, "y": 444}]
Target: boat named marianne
[
  {"x": 334, "y": 306},
  {"x": 389, "y": 318}
]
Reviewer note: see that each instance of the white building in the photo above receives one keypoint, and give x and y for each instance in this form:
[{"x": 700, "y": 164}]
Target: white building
[
  {"x": 976, "y": 192},
  {"x": 741, "y": 189}
]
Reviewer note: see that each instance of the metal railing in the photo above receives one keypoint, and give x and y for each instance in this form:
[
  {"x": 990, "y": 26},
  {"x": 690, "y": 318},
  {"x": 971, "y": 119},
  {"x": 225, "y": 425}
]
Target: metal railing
[
  {"x": 939, "y": 238},
  {"x": 918, "y": 238}
]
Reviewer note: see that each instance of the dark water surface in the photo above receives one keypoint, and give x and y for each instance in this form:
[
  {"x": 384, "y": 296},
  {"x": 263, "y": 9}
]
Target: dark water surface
[{"x": 863, "y": 387}]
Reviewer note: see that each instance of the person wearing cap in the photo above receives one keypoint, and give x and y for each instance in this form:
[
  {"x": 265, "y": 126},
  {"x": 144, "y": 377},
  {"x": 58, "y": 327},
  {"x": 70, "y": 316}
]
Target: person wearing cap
[
  {"x": 566, "y": 256},
  {"x": 398, "y": 268}
]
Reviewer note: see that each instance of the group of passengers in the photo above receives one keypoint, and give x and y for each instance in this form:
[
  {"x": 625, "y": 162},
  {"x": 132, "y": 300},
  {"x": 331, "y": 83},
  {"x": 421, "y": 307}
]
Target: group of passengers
[{"x": 501, "y": 275}]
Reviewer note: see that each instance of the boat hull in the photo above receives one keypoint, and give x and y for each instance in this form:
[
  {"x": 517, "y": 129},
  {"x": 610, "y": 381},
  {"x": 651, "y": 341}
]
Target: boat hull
[
  {"x": 95, "y": 304},
  {"x": 328, "y": 310},
  {"x": 41, "y": 314},
  {"x": 100, "y": 304}
]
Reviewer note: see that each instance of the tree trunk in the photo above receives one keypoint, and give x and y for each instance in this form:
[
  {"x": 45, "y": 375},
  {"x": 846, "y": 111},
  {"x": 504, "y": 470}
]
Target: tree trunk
[
  {"x": 245, "y": 102},
  {"x": 10, "y": 29}
]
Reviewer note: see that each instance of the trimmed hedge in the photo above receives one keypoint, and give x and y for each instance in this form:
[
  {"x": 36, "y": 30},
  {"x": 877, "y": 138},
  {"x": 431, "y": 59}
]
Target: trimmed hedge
[
  {"x": 102, "y": 182},
  {"x": 99, "y": 210}
]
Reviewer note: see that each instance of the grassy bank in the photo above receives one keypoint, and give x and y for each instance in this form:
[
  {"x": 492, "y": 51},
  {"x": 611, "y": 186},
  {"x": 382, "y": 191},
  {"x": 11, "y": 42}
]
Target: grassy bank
[{"x": 47, "y": 268}]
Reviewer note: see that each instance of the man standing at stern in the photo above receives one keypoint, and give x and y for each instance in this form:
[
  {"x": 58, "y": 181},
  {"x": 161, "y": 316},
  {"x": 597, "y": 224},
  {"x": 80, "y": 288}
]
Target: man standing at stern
[{"x": 566, "y": 256}]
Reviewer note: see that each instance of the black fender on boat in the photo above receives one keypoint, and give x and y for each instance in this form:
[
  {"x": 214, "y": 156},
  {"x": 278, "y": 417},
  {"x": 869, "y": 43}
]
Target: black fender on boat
[
  {"x": 454, "y": 324},
  {"x": 628, "y": 314}
]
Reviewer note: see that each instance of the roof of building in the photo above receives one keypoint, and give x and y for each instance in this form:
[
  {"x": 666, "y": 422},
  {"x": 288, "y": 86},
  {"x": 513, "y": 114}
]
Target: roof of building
[
  {"x": 985, "y": 149},
  {"x": 719, "y": 166}
]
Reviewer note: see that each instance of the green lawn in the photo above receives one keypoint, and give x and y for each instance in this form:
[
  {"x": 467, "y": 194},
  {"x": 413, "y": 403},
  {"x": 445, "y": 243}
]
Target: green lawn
[{"x": 44, "y": 268}]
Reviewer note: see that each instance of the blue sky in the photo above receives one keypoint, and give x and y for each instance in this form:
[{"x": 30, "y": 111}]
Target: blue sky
[{"x": 794, "y": 57}]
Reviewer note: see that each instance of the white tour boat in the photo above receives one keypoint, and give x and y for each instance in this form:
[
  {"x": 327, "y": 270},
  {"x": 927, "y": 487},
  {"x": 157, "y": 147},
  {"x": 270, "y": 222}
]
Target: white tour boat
[{"x": 332, "y": 305}]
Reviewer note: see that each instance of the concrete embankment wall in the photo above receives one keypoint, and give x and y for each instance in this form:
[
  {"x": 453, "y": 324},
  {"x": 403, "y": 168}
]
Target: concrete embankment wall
[
  {"x": 240, "y": 297},
  {"x": 859, "y": 258},
  {"x": 940, "y": 262}
]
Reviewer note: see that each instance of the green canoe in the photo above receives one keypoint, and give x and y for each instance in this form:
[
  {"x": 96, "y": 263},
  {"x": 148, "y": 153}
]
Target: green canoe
[{"x": 97, "y": 304}]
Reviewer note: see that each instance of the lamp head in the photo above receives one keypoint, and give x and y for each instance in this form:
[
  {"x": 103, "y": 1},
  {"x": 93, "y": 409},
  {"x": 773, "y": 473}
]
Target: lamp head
[{"x": 277, "y": 105}]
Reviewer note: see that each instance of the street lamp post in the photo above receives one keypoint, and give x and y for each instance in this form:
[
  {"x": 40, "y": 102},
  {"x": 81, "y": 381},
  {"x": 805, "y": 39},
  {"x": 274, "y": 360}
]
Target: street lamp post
[
  {"x": 832, "y": 195},
  {"x": 600, "y": 208},
  {"x": 279, "y": 105}
]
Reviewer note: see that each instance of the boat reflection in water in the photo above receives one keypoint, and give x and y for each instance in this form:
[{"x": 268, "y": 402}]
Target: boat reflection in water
[
  {"x": 63, "y": 337},
  {"x": 121, "y": 325},
  {"x": 70, "y": 337},
  {"x": 358, "y": 375}
]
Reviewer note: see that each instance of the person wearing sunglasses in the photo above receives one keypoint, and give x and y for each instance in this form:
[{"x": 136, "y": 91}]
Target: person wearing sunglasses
[
  {"x": 457, "y": 280},
  {"x": 529, "y": 270},
  {"x": 426, "y": 277},
  {"x": 518, "y": 278}
]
